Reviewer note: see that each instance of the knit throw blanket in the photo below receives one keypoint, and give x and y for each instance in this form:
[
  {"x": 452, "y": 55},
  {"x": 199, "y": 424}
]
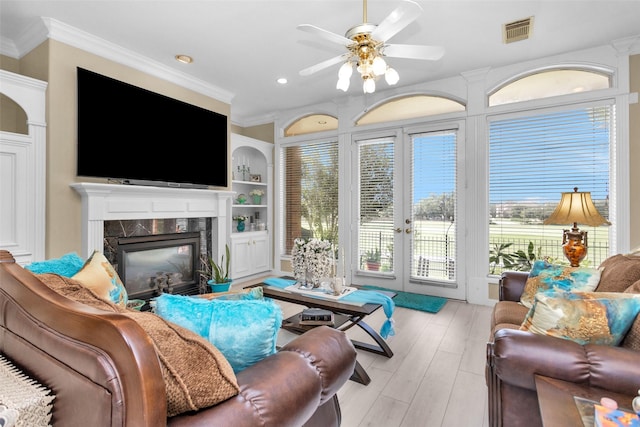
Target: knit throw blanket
[
  {"x": 196, "y": 374},
  {"x": 23, "y": 401}
]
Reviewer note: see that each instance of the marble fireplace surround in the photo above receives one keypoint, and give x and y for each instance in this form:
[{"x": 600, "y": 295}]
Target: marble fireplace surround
[{"x": 106, "y": 202}]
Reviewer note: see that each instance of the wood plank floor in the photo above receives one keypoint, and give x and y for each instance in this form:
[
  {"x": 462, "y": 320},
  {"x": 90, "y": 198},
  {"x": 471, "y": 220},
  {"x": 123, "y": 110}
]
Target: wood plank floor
[{"x": 435, "y": 378}]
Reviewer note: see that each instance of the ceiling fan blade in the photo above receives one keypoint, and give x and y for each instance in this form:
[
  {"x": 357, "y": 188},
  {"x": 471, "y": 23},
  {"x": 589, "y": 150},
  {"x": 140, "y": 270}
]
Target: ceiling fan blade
[
  {"x": 403, "y": 15},
  {"x": 430, "y": 53},
  {"x": 327, "y": 35},
  {"x": 325, "y": 64}
]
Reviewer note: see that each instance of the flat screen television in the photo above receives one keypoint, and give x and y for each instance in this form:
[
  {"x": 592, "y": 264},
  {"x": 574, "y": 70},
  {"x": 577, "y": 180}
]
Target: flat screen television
[{"x": 136, "y": 136}]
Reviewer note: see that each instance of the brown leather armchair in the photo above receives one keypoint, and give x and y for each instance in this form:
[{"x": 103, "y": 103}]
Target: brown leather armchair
[
  {"x": 514, "y": 357},
  {"x": 104, "y": 370}
]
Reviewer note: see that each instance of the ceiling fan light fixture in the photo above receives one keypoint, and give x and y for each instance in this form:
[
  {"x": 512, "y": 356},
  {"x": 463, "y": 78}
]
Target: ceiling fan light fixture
[
  {"x": 369, "y": 85},
  {"x": 379, "y": 66},
  {"x": 391, "y": 76},
  {"x": 343, "y": 84},
  {"x": 345, "y": 71}
]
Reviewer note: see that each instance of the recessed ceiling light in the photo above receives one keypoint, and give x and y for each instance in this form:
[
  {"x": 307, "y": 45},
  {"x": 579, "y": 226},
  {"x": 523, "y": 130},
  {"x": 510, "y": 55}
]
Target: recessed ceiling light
[
  {"x": 185, "y": 59},
  {"x": 282, "y": 81}
]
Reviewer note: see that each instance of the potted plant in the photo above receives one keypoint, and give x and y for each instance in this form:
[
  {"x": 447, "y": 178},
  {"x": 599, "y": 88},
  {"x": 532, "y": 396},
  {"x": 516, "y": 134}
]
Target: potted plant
[
  {"x": 257, "y": 194},
  {"x": 217, "y": 275},
  {"x": 372, "y": 258},
  {"x": 241, "y": 219}
]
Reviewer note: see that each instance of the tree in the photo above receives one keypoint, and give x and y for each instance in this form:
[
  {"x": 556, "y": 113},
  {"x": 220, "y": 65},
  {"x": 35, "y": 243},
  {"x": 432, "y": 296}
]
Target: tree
[
  {"x": 436, "y": 207},
  {"x": 376, "y": 176},
  {"x": 320, "y": 196}
]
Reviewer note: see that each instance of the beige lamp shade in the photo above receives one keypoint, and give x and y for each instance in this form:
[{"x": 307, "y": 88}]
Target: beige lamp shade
[{"x": 576, "y": 208}]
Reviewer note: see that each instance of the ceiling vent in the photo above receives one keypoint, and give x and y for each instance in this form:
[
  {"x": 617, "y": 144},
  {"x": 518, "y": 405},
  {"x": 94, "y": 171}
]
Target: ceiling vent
[{"x": 517, "y": 30}]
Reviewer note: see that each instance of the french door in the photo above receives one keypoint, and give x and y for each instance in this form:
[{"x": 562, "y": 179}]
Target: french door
[{"x": 405, "y": 229}]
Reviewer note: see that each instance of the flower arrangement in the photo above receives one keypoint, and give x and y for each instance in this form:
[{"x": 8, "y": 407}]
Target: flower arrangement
[
  {"x": 240, "y": 218},
  {"x": 313, "y": 257},
  {"x": 256, "y": 192}
]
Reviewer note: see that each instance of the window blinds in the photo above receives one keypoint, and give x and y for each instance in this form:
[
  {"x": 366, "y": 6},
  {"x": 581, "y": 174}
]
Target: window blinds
[{"x": 534, "y": 159}]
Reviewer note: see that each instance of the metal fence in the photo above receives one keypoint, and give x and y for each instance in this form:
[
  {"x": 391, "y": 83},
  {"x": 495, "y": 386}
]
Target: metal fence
[{"x": 434, "y": 256}]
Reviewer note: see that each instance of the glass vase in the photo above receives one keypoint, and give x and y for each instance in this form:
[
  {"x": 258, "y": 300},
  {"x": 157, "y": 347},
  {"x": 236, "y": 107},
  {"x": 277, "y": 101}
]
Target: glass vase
[{"x": 240, "y": 226}]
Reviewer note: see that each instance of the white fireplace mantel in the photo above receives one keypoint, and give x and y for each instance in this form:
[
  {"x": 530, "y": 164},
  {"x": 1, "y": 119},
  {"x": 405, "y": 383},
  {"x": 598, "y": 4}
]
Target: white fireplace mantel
[{"x": 105, "y": 202}]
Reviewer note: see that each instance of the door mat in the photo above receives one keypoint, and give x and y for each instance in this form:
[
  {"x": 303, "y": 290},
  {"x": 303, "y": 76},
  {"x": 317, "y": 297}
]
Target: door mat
[{"x": 413, "y": 301}]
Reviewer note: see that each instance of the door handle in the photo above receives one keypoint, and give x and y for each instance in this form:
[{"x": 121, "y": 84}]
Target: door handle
[
  {"x": 407, "y": 221},
  {"x": 408, "y": 231},
  {"x": 398, "y": 230}
]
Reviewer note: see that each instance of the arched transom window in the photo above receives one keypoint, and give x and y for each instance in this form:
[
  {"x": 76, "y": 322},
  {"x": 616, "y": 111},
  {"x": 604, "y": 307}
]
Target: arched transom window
[
  {"x": 550, "y": 83},
  {"x": 311, "y": 124},
  {"x": 410, "y": 107}
]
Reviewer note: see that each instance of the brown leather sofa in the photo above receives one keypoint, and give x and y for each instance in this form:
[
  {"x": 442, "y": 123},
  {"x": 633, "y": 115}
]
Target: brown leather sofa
[
  {"x": 104, "y": 369},
  {"x": 514, "y": 357}
]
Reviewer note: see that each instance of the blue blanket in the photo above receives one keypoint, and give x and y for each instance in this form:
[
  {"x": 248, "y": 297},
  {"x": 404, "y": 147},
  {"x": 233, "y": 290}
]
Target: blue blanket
[{"x": 359, "y": 296}]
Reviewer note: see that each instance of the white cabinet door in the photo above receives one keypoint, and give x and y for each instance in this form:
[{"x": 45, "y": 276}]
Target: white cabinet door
[
  {"x": 240, "y": 257},
  {"x": 260, "y": 247},
  {"x": 249, "y": 253}
]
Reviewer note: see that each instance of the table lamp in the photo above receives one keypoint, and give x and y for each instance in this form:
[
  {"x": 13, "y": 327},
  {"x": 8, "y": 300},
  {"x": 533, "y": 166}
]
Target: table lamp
[{"x": 574, "y": 208}]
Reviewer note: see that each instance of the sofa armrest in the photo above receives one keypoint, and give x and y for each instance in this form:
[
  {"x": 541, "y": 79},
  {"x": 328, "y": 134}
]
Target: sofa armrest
[
  {"x": 517, "y": 356},
  {"x": 511, "y": 285},
  {"x": 286, "y": 388}
]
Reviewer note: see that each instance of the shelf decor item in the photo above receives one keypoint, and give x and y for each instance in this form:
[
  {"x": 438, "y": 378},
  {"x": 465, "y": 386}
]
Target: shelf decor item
[
  {"x": 312, "y": 260},
  {"x": 256, "y": 178},
  {"x": 217, "y": 275},
  {"x": 241, "y": 225},
  {"x": 256, "y": 194},
  {"x": 242, "y": 198}
]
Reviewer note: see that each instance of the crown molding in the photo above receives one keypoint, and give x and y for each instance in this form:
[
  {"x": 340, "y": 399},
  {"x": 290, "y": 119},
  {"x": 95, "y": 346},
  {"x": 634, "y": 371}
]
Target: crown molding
[
  {"x": 53, "y": 29},
  {"x": 82, "y": 40}
]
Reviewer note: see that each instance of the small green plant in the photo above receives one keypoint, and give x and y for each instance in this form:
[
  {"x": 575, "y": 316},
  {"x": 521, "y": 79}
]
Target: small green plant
[
  {"x": 498, "y": 256},
  {"x": 373, "y": 255},
  {"x": 524, "y": 261},
  {"x": 214, "y": 271}
]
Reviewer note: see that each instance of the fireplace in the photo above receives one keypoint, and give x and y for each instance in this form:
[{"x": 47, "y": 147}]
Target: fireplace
[
  {"x": 111, "y": 212},
  {"x": 151, "y": 265}
]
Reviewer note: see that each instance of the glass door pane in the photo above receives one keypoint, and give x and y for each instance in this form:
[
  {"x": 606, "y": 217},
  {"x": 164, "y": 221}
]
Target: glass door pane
[{"x": 433, "y": 213}]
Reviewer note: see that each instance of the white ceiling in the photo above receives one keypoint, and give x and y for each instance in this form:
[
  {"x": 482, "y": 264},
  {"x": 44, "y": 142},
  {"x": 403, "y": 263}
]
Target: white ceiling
[{"x": 243, "y": 46}]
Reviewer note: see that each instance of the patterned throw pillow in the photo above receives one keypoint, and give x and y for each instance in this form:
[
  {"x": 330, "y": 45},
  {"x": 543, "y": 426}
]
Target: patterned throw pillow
[
  {"x": 67, "y": 265},
  {"x": 545, "y": 276},
  {"x": 584, "y": 317},
  {"x": 255, "y": 293},
  {"x": 99, "y": 275}
]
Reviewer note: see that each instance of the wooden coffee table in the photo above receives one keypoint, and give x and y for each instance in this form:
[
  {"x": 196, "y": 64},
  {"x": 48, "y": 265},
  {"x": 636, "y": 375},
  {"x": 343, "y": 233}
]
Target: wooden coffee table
[
  {"x": 558, "y": 406},
  {"x": 346, "y": 316}
]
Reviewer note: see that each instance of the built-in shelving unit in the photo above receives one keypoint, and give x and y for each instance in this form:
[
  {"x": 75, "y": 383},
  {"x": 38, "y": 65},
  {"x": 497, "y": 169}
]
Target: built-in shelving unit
[{"x": 252, "y": 163}]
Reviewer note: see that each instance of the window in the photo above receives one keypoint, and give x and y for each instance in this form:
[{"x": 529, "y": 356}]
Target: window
[
  {"x": 311, "y": 124},
  {"x": 433, "y": 193},
  {"x": 309, "y": 198},
  {"x": 533, "y": 159},
  {"x": 410, "y": 107},
  {"x": 549, "y": 83}
]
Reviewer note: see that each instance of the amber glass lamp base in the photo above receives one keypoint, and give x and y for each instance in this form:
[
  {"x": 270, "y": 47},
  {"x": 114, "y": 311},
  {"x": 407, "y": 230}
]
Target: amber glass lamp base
[{"x": 574, "y": 249}]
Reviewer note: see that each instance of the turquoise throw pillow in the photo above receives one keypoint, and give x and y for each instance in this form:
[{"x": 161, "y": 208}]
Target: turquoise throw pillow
[
  {"x": 245, "y": 331},
  {"x": 67, "y": 265},
  {"x": 584, "y": 317},
  {"x": 188, "y": 312}
]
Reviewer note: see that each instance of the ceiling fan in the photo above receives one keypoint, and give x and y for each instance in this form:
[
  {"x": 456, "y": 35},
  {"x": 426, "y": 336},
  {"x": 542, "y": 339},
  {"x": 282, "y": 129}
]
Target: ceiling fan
[{"x": 366, "y": 45}]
